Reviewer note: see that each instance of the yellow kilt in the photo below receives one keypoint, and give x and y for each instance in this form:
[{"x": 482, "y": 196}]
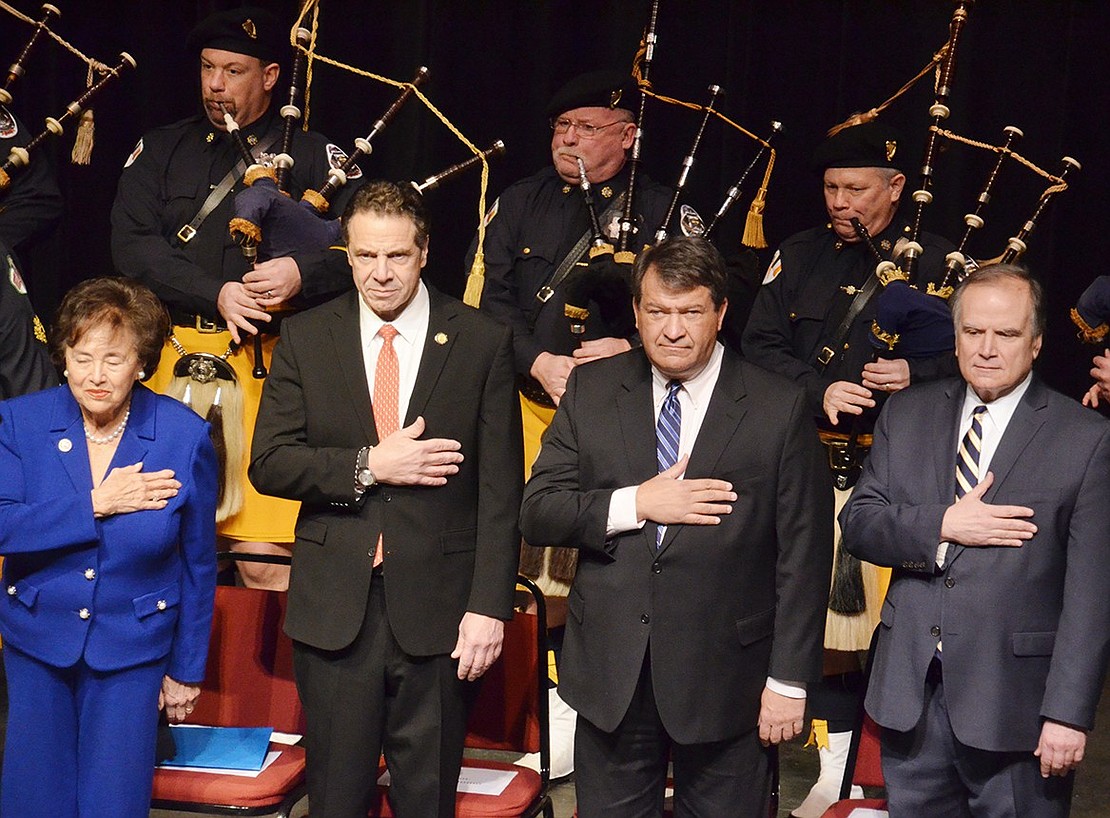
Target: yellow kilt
[{"x": 262, "y": 518}]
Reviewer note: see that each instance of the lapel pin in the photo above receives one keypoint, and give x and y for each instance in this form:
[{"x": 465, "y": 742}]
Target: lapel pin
[
  {"x": 441, "y": 338},
  {"x": 65, "y": 444}
]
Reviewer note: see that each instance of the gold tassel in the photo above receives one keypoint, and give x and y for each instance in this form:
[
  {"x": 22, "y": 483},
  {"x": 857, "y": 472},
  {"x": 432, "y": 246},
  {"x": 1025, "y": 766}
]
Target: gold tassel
[
  {"x": 753, "y": 225},
  {"x": 476, "y": 280},
  {"x": 83, "y": 143},
  {"x": 818, "y": 735}
]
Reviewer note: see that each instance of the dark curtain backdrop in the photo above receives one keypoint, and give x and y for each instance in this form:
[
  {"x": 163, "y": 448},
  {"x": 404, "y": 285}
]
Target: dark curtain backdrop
[{"x": 1040, "y": 65}]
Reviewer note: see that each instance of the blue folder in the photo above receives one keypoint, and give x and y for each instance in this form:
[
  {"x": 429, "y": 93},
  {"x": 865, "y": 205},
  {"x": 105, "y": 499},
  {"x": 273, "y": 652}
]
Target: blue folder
[{"x": 223, "y": 748}]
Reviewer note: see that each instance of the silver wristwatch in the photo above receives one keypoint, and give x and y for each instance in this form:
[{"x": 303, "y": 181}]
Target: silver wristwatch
[{"x": 364, "y": 478}]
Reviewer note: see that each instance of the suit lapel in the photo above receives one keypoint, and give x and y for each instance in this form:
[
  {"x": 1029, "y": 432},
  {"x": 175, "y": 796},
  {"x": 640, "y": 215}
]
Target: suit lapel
[
  {"x": 1022, "y": 428},
  {"x": 721, "y": 423},
  {"x": 437, "y": 348},
  {"x": 347, "y": 342},
  {"x": 68, "y": 437},
  {"x": 636, "y": 416},
  {"x": 944, "y": 455},
  {"x": 135, "y": 440}
]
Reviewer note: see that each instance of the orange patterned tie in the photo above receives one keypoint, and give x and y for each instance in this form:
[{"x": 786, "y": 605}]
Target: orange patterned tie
[{"x": 387, "y": 385}]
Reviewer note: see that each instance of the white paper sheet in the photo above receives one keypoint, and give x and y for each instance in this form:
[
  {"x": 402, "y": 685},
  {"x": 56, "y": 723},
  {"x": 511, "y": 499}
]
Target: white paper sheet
[{"x": 476, "y": 780}]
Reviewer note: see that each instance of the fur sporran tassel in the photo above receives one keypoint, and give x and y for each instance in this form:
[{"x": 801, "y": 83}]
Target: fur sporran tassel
[
  {"x": 847, "y": 594},
  {"x": 207, "y": 385}
]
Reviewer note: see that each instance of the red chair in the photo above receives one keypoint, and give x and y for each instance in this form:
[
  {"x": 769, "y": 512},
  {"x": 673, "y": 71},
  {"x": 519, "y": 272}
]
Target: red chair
[
  {"x": 509, "y": 715},
  {"x": 863, "y": 767},
  {"x": 865, "y": 771},
  {"x": 249, "y": 684}
]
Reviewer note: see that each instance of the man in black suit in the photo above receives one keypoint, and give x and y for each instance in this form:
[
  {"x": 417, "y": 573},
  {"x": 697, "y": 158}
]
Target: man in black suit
[
  {"x": 391, "y": 414},
  {"x": 696, "y": 614},
  {"x": 989, "y": 498}
]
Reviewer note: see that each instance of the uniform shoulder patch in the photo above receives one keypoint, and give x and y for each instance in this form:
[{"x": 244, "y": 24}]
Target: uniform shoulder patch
[
  {"x": 337, "y": 156},
  {"x": 8, "y": 126},
  {"x": 491, "y": 214},
  {"x": 15, "y": 278},
  {"x": 774, "y": 268},
  {"x": 134, "y": 154}
]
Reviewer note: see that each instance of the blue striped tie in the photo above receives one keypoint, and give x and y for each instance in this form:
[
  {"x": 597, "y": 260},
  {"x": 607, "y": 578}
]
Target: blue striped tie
[
  {"x": 967, "y": 459},
  {"x": 667, "y": 432}
]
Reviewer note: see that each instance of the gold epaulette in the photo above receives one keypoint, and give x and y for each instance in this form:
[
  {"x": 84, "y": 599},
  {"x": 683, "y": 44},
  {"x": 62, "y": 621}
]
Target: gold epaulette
[
  {"x": 944, "y": 292},
  {"x": 888, "y": 338},
  {"x": 256, "y": 172},
  {"x": 245, "y": 227},
  {"x": 1088, "y": 334},
  {"x": 316, "y": 200}
]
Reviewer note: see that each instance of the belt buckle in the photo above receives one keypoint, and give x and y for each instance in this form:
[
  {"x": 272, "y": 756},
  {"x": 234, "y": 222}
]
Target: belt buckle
[
  {"x": 545, "y": 294},
  {"x": 206, "y": 326},
  {"x": 825, "y": 355},
  {"x": 186, "y": 233}
]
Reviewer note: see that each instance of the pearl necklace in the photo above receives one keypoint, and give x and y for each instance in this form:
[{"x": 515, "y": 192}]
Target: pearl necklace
[{"x": 109, "y": 438}]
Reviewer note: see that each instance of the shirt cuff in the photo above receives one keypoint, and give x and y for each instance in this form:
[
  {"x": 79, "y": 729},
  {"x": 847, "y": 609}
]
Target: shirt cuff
[
  {"x": 792, "y": 690},
  {"x": 622, "y": 512}
]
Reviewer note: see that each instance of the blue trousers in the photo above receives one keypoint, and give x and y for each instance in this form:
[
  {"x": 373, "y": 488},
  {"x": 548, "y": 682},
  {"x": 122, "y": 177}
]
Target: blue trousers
[
  {"x": 80, "y": 742},
  {"x": 929, "y": 772}
]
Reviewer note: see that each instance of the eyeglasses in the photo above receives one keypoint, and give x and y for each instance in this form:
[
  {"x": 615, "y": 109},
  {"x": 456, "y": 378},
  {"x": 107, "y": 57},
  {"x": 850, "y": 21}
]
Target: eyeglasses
[{"x": 584, "y": 129}]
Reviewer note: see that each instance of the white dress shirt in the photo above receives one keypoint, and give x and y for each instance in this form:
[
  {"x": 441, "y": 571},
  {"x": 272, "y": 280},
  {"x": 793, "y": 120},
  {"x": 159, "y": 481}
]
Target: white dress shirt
[
  {"x": 994, "y": 422},
  {"x": 412, "y": 330}
]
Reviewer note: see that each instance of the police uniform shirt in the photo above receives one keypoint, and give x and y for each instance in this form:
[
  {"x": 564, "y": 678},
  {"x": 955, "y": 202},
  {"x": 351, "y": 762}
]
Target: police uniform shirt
[
  {"x": 532, "y": 227},
  {"x": 165, "y": 182},
  {"x": 32, "y": 202},
  {"x": 24, "y": 361},
  {"x": 811, "y": 282}
]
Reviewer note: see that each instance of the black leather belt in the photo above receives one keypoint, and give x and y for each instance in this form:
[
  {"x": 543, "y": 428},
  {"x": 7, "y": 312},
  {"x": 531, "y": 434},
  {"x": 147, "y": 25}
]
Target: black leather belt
[
  {"x": 192, "y": 320},
  {"x": 531, "y": 389}
]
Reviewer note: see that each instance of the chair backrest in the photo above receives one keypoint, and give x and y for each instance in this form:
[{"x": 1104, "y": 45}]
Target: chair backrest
[
  {"x": 510, "y": 712},
  {"x": 249, "y": 680},
  {"x": 868, "y": 771}
]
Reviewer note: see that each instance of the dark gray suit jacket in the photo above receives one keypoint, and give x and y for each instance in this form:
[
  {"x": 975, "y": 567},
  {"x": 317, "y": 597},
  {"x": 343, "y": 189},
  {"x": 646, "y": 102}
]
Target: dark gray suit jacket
[
  {"x": 722, "y": 606},
  {"x": 1026, "y": 631},
  {"x": 449, "y": 549}
]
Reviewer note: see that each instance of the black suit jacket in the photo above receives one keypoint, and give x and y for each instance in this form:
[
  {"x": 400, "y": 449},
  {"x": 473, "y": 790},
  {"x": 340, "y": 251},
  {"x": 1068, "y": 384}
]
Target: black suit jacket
[
  {"x": 1025, "y": 631},
  {"x": 449, "y": 549},
  {"x": 722, "y": 606}
]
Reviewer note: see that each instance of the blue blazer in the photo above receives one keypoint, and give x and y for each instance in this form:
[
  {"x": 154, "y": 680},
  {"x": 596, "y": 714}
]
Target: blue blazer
[{"x": 118, "y": 591}]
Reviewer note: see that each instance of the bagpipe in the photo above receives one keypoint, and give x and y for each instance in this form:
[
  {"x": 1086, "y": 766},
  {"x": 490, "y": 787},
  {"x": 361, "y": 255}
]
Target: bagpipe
[
  {"x": 606, "y": 278},
  {"x": 79, "y": 109},
  {"x": 914, "y": 322}
]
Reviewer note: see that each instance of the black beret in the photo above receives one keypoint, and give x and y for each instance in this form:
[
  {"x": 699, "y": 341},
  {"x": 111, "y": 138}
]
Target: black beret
[
  {"x": 870, "y": 145},
  {"x": 250, "y": 30},
  {"x": 596, "y": 89}
]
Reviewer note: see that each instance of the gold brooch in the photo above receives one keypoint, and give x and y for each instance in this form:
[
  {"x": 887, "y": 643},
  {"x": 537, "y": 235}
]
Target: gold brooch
[
  {"x": 210, "y": 137},
  {"x": 441, "y": 338},
  {"x": 607, "y": 192},
  {"x": 252, "y": 140},
  {"x": 885, "y": 244},
  {"x": 566, "y": 189}
]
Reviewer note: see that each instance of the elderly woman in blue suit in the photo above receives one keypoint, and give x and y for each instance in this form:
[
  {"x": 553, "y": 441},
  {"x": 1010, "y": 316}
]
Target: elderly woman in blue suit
[{"x": 107, "y": 528}]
